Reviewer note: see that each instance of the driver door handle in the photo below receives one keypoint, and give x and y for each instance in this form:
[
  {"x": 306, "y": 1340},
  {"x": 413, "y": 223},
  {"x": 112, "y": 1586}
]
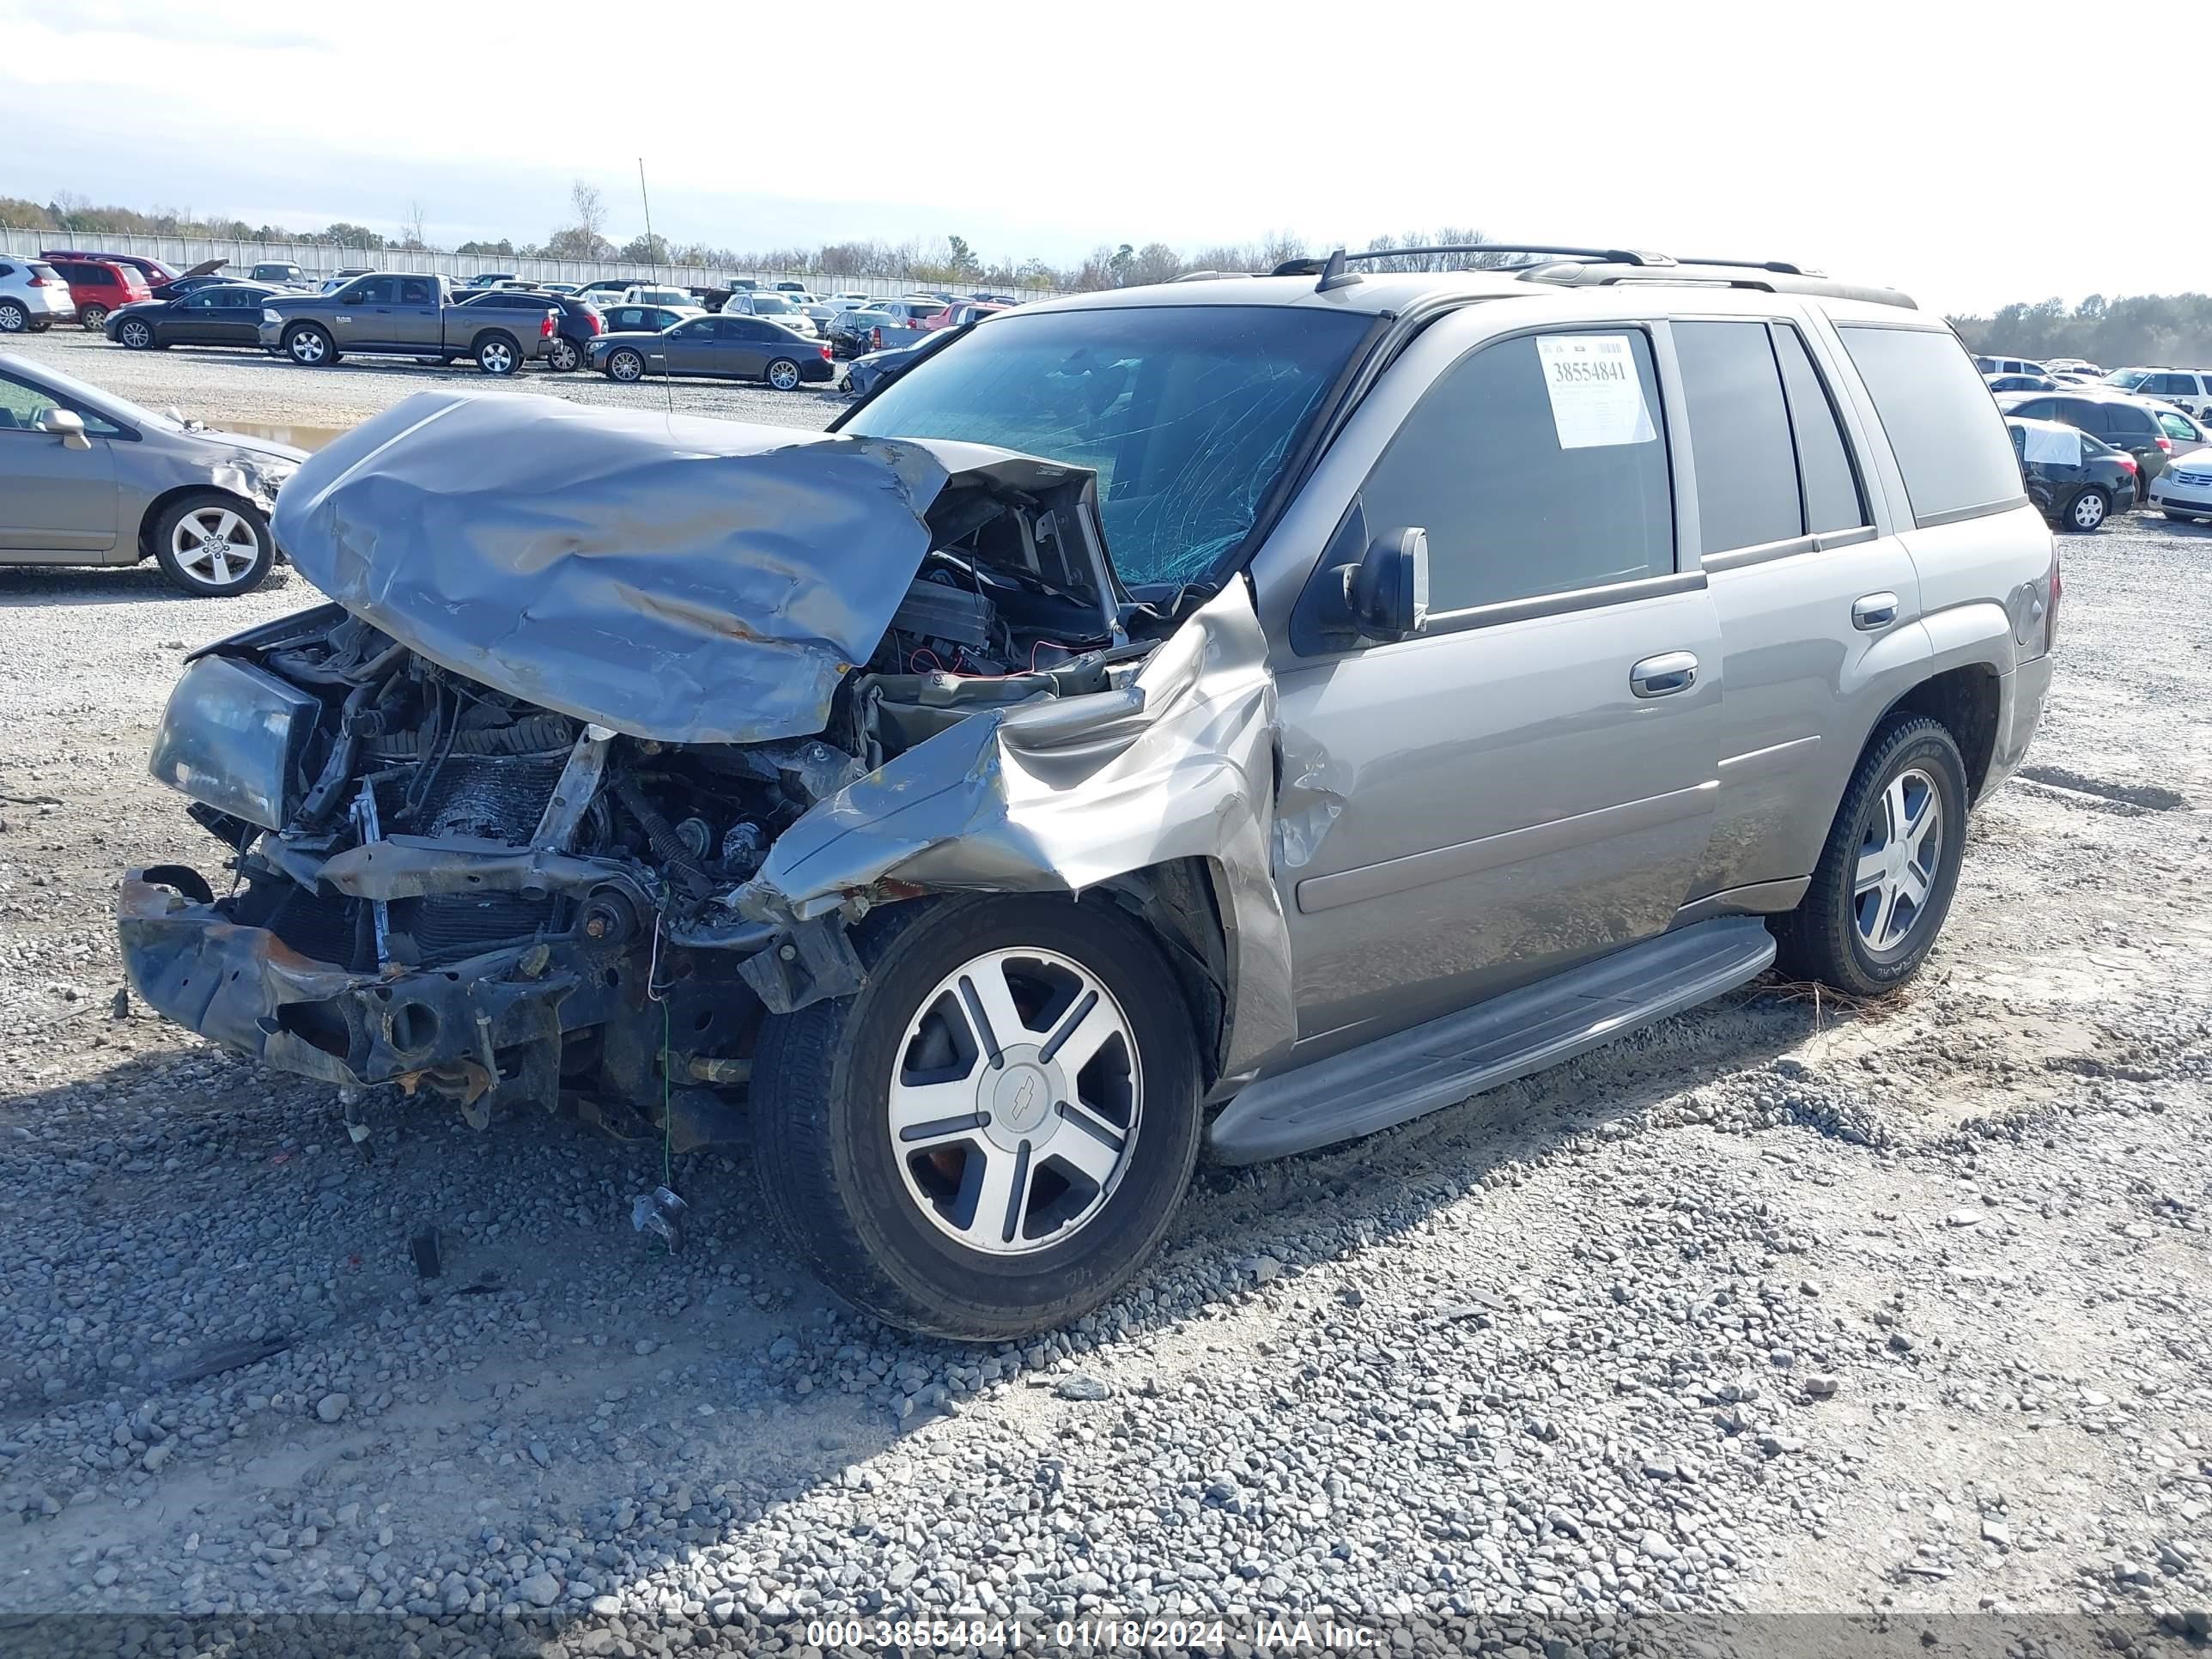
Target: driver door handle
[{"x": 1663, "y": 676}]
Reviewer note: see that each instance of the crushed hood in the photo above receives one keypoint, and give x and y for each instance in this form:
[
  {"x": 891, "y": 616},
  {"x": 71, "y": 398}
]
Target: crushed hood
[{"x": 676, "y": 578}]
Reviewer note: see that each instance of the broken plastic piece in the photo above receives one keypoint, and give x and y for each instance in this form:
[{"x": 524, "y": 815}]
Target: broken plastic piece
[
  {"x": 659, "y": 1211},
  {"x": 428, "y": 1262}
]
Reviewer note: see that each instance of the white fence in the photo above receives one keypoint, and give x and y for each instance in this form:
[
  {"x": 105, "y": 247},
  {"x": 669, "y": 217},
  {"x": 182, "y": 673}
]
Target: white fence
[{"x": 182, "y": 252}]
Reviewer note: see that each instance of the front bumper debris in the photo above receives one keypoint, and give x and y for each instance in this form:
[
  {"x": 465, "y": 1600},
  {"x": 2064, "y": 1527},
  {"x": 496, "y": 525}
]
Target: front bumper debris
[{"x": 244, "y": 988}]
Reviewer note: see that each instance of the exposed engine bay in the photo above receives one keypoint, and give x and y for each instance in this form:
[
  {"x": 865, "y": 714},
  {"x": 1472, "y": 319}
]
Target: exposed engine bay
[{"x": 443, "y": 882}]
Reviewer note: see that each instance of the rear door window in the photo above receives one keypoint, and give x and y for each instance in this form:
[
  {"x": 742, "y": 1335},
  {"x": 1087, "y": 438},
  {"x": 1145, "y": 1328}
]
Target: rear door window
[
  {"x": 414, "y": 291},
  {"x": 1833, "y": 499},
  {"x": 1949, "y": 439},
  {"x": 2129, "y": 421},
  {"x": 1739, "y": 435},
  {"x": 1525, "y": 490}
]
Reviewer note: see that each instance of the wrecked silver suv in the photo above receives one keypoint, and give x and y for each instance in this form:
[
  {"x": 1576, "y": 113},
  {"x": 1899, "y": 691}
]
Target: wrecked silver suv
[{"x": 1316, "y": 700}]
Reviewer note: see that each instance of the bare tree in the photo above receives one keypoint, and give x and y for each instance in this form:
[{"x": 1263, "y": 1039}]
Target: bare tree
[
  {"x": 590, "y": 210},
  {"x": 413, "y": 229}
]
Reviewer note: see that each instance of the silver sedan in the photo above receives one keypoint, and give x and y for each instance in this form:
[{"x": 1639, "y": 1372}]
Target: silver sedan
[{"x": 87, "y": 477}]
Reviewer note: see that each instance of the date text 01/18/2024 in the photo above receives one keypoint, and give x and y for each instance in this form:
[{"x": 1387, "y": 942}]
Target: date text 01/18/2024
[{"x": 1088, "y": 1635}]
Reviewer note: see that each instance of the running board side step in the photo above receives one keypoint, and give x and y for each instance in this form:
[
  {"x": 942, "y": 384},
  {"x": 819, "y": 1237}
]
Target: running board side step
[{"x": 1389, "y": 1081}]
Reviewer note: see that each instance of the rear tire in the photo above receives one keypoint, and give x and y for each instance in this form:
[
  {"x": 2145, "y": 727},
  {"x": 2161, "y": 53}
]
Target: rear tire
[
  {"x": 497, "y": 354},
  {"x": 2087, "y": 512},
  {"x": 94, "y": 318},
  {"x": 212, "y": 545},
  {"x": 783, "y": 374},
  {"x": 14, "y": 318},
  {"x": 915, "y": 1237},
  {"x": 562, "y": 357},
  {"x": 1879, "y": 896}
]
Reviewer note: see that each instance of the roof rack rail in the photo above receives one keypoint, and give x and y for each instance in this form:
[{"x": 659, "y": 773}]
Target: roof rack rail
[
  {"x": 1780, "y": 268},
  {"x": 1616, "y": 256},
  {"x": 1713, "y": 273}
]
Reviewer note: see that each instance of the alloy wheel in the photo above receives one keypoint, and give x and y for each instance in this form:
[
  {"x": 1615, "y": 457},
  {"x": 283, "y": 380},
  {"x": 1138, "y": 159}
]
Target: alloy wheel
[
  {"x": 1015, "y": 1102},
  {"x": 14, "y": 319},
  {"x": 1899, "y": 856},
  {"x": 497, "y": 357},
  {"x": 136, "y": 334},
  {"x": 626, "y": 366},
  {"x": 309, "y": 347},
  {"x": 783, "y": 375},
  {"x": 214, "y": 546}
]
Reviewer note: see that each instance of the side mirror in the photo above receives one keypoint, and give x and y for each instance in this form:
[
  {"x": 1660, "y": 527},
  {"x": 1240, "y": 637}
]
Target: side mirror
[
  {"x": 1387, "y": 591},
  {"x": 67, "y": 425}
]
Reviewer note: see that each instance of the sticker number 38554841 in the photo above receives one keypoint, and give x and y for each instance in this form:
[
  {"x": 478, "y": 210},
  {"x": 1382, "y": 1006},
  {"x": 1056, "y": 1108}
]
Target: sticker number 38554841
[{"x": 1597, "y": 396}]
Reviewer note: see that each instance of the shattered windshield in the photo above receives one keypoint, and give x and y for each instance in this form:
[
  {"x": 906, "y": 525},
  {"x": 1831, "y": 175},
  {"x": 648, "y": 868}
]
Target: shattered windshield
[{"x": 1187, "y": 413}]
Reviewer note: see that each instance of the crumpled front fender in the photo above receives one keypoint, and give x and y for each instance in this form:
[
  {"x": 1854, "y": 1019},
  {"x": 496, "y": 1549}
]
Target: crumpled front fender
[{"x": 1058, "y": 797}]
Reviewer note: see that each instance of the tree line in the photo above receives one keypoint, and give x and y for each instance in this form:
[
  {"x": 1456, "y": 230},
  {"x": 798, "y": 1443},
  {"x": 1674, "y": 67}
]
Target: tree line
[
  {"x": 2171, "y": 328},
  {"x": 587, "y": 236}
]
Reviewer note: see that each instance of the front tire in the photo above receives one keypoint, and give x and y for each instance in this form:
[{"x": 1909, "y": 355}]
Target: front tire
[
  {"x": 2087, "y": 512},
  {"x": 212, "y": 545},
  {"x": 783, "y": 375},
  {"x": 1886, "y": 878},
  {"x": 626, "y": 366},
  {"x": 310, "y": 347},
  {"x": 14, "y": 318},
  {"x": 992, "y": 1137},
  {"x": 497, "y": 354},
  {"x": 134, "y": 335}
]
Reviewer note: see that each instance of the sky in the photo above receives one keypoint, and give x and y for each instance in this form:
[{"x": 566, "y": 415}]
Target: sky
[{"x": 1872, "y": 141}]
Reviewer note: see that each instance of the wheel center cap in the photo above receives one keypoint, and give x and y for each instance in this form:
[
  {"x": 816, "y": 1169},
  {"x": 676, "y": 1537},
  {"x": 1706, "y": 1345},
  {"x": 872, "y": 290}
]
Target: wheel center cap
[{"x": 1020, "y": 1099}]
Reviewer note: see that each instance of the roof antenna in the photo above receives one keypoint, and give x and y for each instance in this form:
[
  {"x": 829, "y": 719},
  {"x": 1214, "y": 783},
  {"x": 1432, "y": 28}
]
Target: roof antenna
[
  {"x": 652, "y": 248},
  {"x": 1334, "y": 274}
]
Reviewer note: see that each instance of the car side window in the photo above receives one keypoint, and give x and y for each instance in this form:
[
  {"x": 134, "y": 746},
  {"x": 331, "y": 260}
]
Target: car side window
[
  {"x": 1946, "y": 435},
  {"x": 1531, "y": 479},
  {"x": 22, "y": 403},
  {"x": 414, "y": 292},
  {"x": 1740, "y": 432},
  {"x": 2129, "y": 421},
  {"x": 1833, "y": 499},
  {"x": 2037, "y": 409},
  {"x": 2178, "y": 426}
]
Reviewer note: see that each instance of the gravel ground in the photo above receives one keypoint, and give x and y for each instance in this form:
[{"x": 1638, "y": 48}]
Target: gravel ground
[
  {"x": 274, "y": 396},
  {"x": 1778, "y": 1307}
]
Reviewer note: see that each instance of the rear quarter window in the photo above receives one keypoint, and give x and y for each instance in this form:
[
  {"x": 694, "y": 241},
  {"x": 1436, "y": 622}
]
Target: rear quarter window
[{"x": 1946, "y": 435}]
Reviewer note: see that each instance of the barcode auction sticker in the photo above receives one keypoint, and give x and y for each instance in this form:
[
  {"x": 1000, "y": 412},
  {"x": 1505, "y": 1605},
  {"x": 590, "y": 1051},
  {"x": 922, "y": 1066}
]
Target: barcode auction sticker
[{"x": 1597, "y": 396}]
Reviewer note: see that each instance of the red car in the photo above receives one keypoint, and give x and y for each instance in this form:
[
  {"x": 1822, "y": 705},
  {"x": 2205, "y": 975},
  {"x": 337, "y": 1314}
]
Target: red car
[
  {"x": 153, "y": 270},
  {"x": 960, "y": 314},
  {"x": 99, "y": 285}
]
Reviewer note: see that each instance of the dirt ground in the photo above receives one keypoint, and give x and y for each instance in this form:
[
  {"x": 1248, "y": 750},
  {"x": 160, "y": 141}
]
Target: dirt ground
[{"x": 1779, "y": 1307}]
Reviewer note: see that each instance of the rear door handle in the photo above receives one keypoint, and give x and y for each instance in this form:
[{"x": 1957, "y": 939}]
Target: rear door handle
[
  {"x": 1873, "y": 610},
  {"x": 1663, "y": 676}
]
